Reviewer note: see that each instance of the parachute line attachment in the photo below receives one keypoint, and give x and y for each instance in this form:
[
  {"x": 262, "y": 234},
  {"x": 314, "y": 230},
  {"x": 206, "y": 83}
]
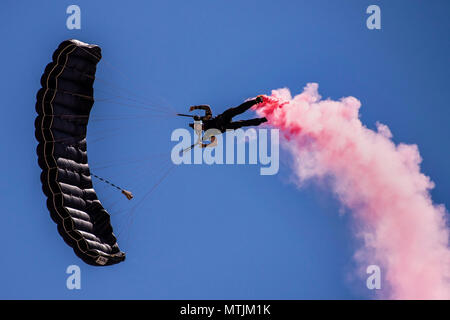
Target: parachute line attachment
[{"x": 126, "y": 193}]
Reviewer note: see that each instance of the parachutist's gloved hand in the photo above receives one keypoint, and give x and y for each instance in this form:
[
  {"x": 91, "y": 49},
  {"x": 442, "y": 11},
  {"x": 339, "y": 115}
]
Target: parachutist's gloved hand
[
  {"x": 191, "y": 109},
  {"x": 259, "y": 99}
]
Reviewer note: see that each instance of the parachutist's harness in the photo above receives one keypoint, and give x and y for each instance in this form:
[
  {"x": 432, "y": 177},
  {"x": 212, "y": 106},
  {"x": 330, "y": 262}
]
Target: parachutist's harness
[{"x": 198, "y": 129}]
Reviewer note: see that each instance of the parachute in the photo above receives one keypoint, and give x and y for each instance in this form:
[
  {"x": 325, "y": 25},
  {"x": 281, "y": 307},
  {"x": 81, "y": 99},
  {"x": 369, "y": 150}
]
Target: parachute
[{"x": 63, "y": 105}]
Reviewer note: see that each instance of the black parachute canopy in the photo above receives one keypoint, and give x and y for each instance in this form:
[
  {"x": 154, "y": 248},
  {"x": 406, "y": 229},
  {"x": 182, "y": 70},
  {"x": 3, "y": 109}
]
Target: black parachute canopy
[{"x": 63, "y": 106}]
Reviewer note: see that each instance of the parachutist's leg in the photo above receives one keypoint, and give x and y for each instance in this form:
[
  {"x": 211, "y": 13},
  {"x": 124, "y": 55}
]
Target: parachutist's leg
[
  {"x": 232, "y": 112},
  {"x": 246, "y": 123}
]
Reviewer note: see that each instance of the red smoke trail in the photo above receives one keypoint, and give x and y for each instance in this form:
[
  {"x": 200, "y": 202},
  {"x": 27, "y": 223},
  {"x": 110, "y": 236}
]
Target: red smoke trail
[{"x": 380, "y": 182}]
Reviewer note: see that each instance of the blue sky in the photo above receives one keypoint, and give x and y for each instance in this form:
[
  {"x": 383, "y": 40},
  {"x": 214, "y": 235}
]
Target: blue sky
[{"x": 248, "y": 236}]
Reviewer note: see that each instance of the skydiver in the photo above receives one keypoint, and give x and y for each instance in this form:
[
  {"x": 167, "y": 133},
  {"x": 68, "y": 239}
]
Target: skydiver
[{"x": 223, "y": 121}]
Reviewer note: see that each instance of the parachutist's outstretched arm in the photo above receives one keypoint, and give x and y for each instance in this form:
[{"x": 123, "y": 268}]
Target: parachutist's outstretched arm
[
  {"x": 201, "y": 107},
  {"x": 206, "y": 108}
]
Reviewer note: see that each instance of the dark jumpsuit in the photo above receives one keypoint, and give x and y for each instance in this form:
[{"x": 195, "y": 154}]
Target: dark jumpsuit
[{"x": 223, "y": 121}]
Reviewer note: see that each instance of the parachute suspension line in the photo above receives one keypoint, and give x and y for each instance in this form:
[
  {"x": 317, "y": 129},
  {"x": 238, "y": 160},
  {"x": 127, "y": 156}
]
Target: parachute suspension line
[
  {"x": 90, "y": 98},
  {"x": 131, "y": 96},
  {"x": 126, "y": 193},
  {"x": 185, "y": 115},
  {"x": 122, "y": 74},
  {"x": 138, "y": 105},
  {"x": 132, "y": 212},
  {"x": 116, "y": 88}
]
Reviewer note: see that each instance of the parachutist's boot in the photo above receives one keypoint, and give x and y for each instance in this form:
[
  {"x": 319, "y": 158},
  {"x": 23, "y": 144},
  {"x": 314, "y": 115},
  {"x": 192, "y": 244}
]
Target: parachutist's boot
[
  {"x": 259, "y": 99},
  {"x": 262, "y": 120}
]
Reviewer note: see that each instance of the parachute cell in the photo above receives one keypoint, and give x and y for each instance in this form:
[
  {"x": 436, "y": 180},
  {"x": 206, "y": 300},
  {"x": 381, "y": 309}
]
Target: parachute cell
[{"x": 63, "y": 105}]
